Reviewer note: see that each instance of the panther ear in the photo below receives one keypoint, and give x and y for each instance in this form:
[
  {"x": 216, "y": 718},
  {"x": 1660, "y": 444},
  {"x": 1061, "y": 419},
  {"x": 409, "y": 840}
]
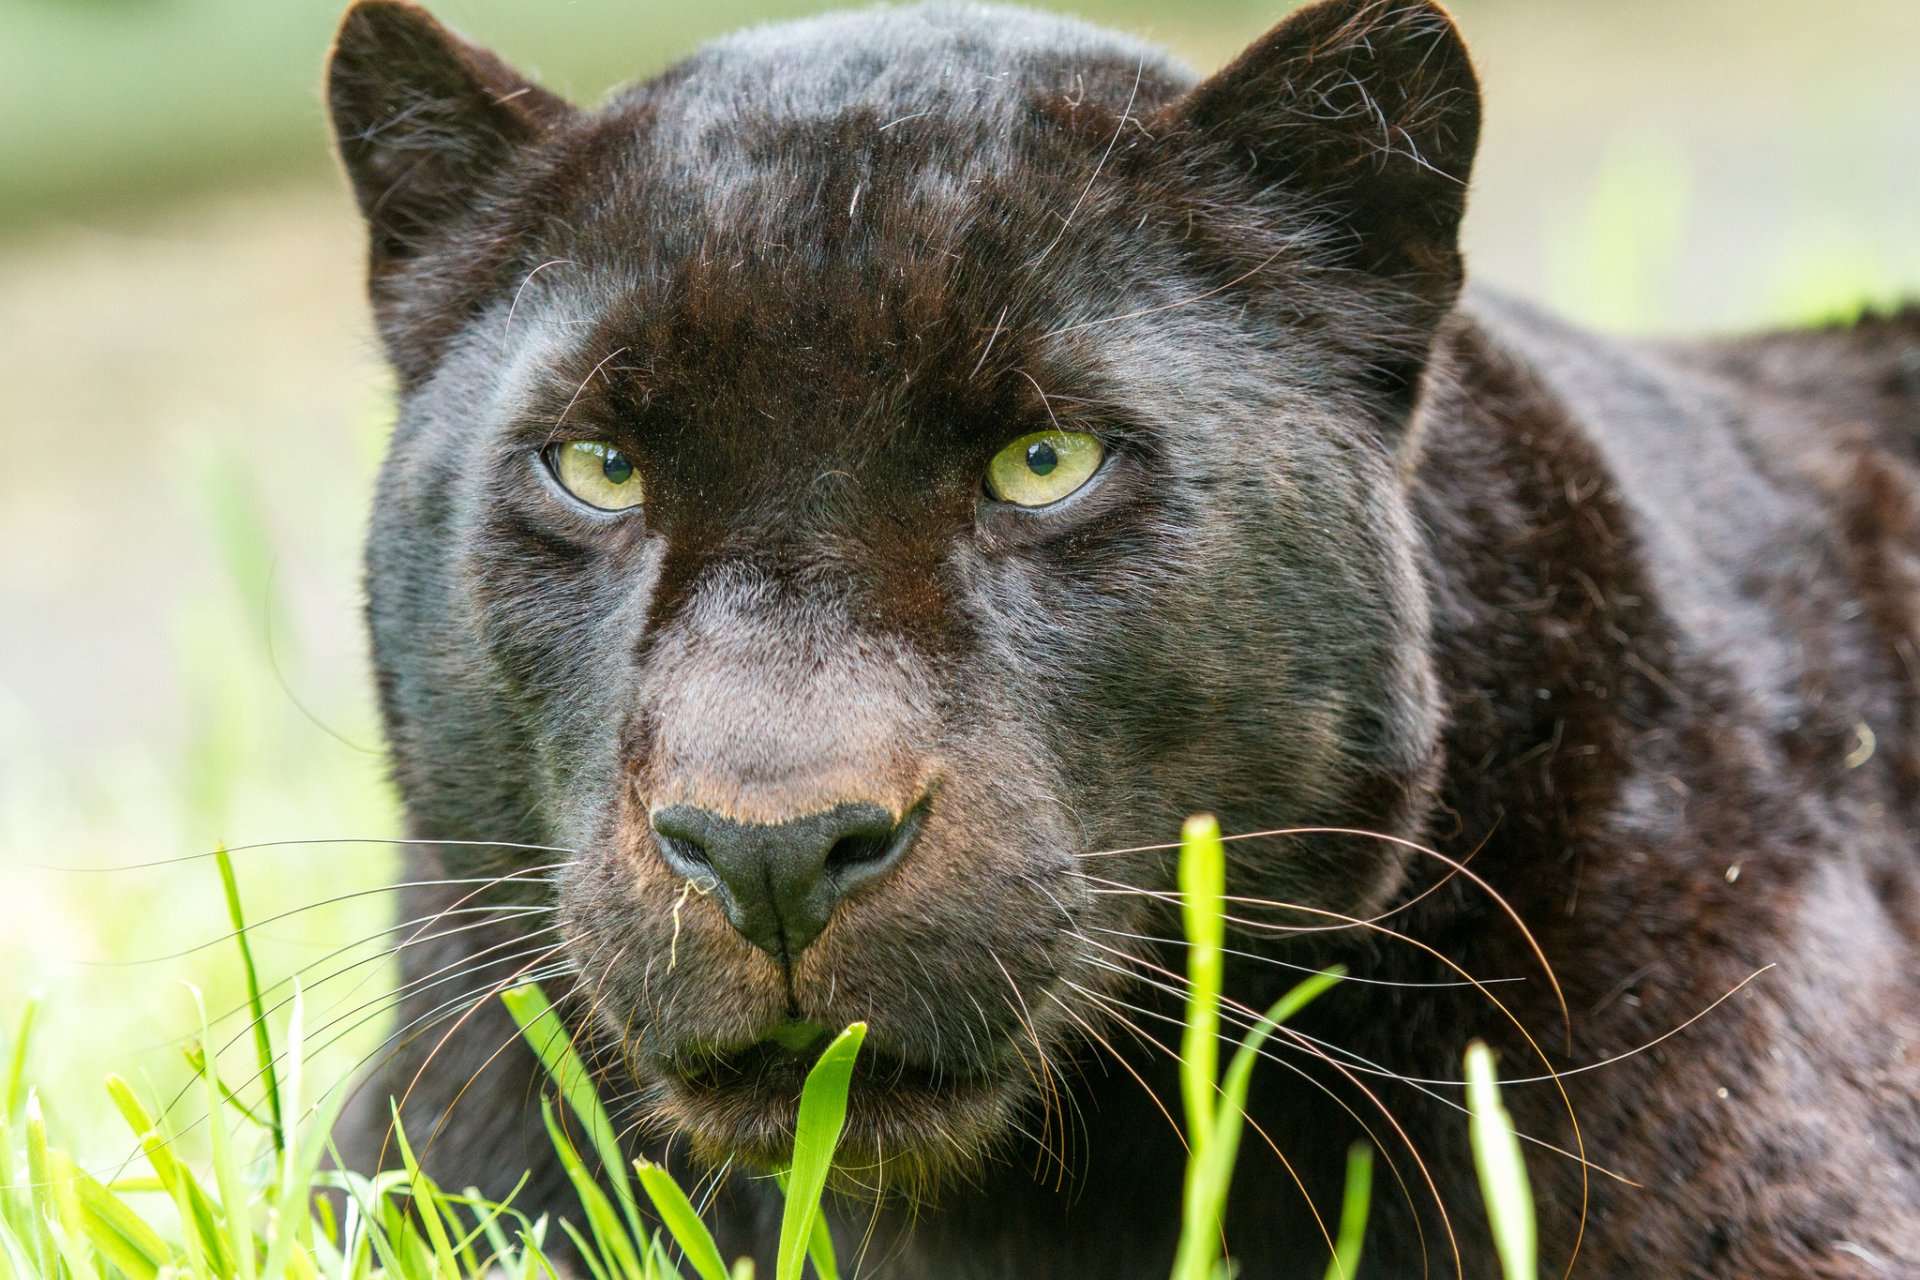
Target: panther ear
[
  {"x": 1366, "y": 113},
  {"x": 424, "y": 121}
]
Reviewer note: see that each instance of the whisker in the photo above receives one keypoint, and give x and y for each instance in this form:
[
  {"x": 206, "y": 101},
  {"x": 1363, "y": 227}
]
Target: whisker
[
  {"x": 1178, "y": 1133},
  {"x": 464, "y": 967},
  {"x": 289, "y": 844},
  {"x": 1050, "y": 1090},
  {"x": 349, "y": 896},
  {"x": 510, "y": 980},
  {"x": 1126, "y": 118},
  {"x": 1112, "y": 1004},
  {"x": 310, "y": 988},
  {"x": 354, "y": 1074},
  {"x": 1246, "y": 1018},
  {"x": 1455, "y": 868},
  {"x": 1295, "y": 967},
  {"x": 1566, "y": 1100}
]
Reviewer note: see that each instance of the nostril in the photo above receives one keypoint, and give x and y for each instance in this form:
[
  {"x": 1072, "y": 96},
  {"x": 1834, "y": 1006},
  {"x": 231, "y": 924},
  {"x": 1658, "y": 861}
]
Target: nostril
[
  {"x": 873, "y": 847},
  {"x": 851, "y": 851},
  {"x": 683, "y": 847}
]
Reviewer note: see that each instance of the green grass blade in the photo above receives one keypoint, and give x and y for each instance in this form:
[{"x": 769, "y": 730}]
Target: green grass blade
[
  {"x": 15, "y": 1096},
  {"x": 820, "y": 1250},
  {"x": 1210, "y": 1165},
  {"x": 13, "y": 1099},
  {"x": 226, "y": 1168},
  {"x": 79, "y": 1263},
  {"x": 1503, "y": 1172},
  {"x": 584, "y": 1247},
  {"x": 427, "y": 1208},
  {"x": 621, "y": 1250},
  {"x": 816, "y": 1135},
  {"x": 120, "y": 1235},
  {"x": 262, "y": 1040},
  {"x": 367, "y": 1198},
  {"x": 292, "y": 1212},
  {"x": 1203, "y": 863},
  {"x": 682, "y": 1220},
  {"x": 174, "y": 1178},
  {"x": 16, "y": 1255},
  {"x": 497, "y": 1237},
  {"x": 547, "y": 1034},
  {"x": 40, "y": 1183},
  {"x": 1354, "y": 1207},
  {"x": 196, "y": 1056}
]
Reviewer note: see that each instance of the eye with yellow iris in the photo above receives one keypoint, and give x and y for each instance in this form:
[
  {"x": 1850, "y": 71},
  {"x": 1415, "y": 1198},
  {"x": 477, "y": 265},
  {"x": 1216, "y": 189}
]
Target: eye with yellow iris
[
  {"x": 598, "y": 474},
  {"x": 1044, "y": 467}
]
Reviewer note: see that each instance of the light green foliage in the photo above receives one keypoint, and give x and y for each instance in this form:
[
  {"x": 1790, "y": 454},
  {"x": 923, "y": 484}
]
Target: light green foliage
[
  {"x": 548, "y": 1035},
  {"x": 1503, "y": 1174},
  {"x": 1216, "y": 1109},
  {"x": 252, "y": 1211}
]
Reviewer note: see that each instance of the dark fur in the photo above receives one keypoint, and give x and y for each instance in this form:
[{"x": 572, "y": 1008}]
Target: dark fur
[{"x": 1615, "y": 621}]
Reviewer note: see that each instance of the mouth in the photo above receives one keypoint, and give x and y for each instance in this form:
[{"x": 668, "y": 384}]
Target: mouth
[{"x": 914, "y": 1120}]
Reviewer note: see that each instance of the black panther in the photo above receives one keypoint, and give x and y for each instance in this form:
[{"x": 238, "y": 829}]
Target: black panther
[{"x": 857, "y": 491}]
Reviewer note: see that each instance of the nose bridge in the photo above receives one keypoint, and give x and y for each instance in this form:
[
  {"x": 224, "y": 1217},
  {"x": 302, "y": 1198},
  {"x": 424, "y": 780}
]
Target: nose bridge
[{"x": 765, "y": 706}]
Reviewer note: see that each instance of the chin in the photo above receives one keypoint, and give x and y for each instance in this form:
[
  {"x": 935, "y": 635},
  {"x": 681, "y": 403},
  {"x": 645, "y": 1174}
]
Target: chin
[{"x": 909, "y": 1128}]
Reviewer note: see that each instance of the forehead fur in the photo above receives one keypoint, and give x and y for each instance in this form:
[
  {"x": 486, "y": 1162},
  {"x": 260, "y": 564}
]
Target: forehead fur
[
  {"x": 964, "y": 62},
  {"x": 794, "y": 132}
]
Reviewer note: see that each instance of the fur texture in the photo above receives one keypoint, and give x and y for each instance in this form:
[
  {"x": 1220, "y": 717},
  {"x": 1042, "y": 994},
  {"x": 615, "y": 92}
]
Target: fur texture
[{"x": 1628, "y": 628}]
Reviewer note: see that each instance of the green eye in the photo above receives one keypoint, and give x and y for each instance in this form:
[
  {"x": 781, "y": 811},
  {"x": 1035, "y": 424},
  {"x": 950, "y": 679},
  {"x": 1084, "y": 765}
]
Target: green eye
[
  {"x": 1044, "y": 467},
  {"x": 598, "y": 474}
]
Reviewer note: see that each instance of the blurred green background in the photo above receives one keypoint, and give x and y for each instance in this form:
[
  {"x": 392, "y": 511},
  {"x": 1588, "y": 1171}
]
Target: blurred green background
[{"x": 191, "y": 408}]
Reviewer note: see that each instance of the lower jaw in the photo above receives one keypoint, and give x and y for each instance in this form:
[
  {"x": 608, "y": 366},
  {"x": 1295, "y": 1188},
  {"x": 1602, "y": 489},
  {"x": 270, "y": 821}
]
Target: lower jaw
[{"x": 906, "y": 1127}]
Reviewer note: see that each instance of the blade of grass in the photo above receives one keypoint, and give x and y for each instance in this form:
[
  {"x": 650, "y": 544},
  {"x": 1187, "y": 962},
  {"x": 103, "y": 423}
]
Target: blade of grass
[
  {"x": 292, "y": 1211},
  {"x": 820, "y": 1250},
  {"x": 1210, "y": 1166},
  {"x": 620, "y": 1249},
  {"x": 584, "y": 1247},
  {"x": 366, "y": 1196},
  {"x": 425, "y": 1203},
  {"x": 196, "y": 1056},
  {"x": 198, "y": 1240},
  {"x": 226, "y": 1169},
  {"x": 15, "y": 1253},
  {"x": 79, "y": 1263},
  {"x": 1503, "y": 1171},
  {"x": 297, "y": 1220},
  {"x": 122, "y": 1237},
  {"x": 544, "y": 1030},
  {"x": 14, "y": 1198},
  {"x": 487, "y": 1215},
  {"x": 262, "y": 1040},
  {"x": 40, "y": 1181},
  {"x": 1202, "y": 886},
  {"x": 1215, "y": 1109},
  {"x": 816, "y": 1135},
  {"x": 682, "y": 1220},
  {"x": 1354, "y": 1206},
  {"x": 15, "y": 1096}
]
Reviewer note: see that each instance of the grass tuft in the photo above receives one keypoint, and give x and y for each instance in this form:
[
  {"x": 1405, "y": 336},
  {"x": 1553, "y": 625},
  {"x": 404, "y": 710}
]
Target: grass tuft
[{"x": 257, "y": 1212}]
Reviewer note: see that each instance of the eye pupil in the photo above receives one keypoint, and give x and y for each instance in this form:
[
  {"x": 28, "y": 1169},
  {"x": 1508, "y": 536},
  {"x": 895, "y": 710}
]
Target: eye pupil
[
  {"x": 615, "y": 467},
  {"x": 1041, "y": 458}
]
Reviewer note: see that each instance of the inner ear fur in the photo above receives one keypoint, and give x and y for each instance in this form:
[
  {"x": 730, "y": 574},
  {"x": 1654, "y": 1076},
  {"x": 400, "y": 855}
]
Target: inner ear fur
[
  {"x": 425, "y": 122},
  {"x": 1365, "y": 113}
]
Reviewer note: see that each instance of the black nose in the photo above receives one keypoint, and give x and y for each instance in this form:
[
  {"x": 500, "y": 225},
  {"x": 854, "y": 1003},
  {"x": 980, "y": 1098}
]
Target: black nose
[{"x": 780, "y": 881}]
